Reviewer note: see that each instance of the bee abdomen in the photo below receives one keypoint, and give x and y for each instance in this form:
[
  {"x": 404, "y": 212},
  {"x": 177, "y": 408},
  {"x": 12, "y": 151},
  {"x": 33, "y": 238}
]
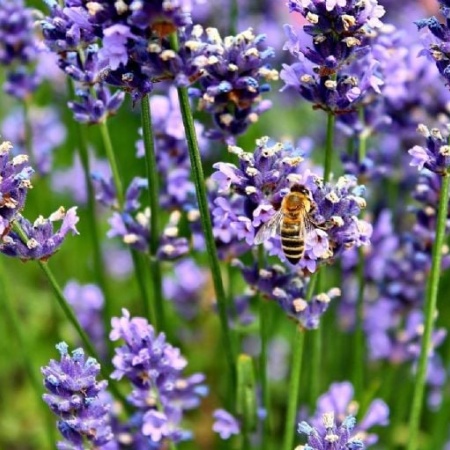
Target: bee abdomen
[{"x": 292, "y": 244}]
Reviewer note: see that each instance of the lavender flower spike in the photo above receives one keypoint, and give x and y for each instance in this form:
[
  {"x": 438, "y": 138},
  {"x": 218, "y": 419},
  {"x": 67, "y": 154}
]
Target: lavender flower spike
[
  {"x": 14, "y": 184},
  {"x": 333, "y": 436},
  {"x": 154, "y": 367},
  {"x": 42, "y": 242},
  {"x": 74, "y": 396},
  {"x": 436, "y": 155}
]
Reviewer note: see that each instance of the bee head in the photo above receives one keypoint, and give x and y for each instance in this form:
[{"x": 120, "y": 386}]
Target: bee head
[{"x": 300, "y": 189}]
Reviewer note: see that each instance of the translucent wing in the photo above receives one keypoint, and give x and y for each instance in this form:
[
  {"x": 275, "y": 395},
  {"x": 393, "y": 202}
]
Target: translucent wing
[{"x": 269, "y": 229}]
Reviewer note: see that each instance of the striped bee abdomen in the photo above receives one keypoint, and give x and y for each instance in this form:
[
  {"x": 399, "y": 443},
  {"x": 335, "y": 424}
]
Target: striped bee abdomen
[{"x": 292, "y": 243}]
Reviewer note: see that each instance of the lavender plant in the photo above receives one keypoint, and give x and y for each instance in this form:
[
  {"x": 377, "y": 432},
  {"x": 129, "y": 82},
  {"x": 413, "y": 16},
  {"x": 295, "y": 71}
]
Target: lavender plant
[{"x": 195, "y": 328}]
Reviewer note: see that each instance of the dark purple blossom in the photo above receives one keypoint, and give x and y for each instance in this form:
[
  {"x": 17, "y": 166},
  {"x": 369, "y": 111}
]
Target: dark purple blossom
[
  {"x": 225, "y": 424},
  {"x": 336, "y": 70},
  {"x": 155, "y": 368},
  {"x": 14, "y": 183},
  {"x": 235, "y": 75},
  {"x": 435, "y": 156},
  {"x": 42, "y": 241},
  {"x": 75, "y": 397},
  {"x": 95, "y": 108}
]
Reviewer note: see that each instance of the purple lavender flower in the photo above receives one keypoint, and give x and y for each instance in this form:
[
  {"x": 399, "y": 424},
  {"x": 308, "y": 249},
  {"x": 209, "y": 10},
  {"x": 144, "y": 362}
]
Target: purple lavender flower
[
  {"x": 132, "y": 224},
  {"x": 436, "y": 42},
  {"x": 334, "y": 433},
  {"x": 14, "y": 184},
  {"x": 289, "y": 290},
  {"x": 231, "y": 88},
  {"x": 74, "y": 396},
  {"x": 225, "y": 424},
  {"x": 47, "y": 132},
  {"x": 87, "y": 302},
  {"x": 330, "y": 73},
  {"x": 339, "y": 401},
  {"x": 18, "y": 48},
  {"x": 160, "y": 392},
  {"x": 43, "y": 241},
  {"x": 249, "y": 195},
  {"x": 435, "y": 156},
  {"x": 92, "y": 109}
]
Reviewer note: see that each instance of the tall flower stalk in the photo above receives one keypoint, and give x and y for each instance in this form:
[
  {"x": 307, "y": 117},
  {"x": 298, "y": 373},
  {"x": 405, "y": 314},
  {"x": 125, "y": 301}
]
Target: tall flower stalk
[
  {"x": 153, "y": 193},
  {"x": 430, "y": 314},
  {"x": 200, "y": 189}
]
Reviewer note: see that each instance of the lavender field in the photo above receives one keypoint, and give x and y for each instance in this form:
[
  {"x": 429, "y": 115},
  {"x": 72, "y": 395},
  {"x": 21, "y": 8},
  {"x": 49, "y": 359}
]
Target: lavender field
[{"x": 224, "y": 225}]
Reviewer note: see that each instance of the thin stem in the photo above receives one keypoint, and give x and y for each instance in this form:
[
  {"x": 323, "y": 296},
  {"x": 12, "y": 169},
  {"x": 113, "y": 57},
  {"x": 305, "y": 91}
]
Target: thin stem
[
  {"x": 329, "y": 146},
  {"x": 315, "y": 367},
  {"x": 25, "y": 352},
  {"x": 99, "y": 263},
  {"x": 430, "y": 311},
  {"x": 200, "y": 189},
  {"x": 153, "y": 194},
  {"x": 233, "y": 17},
  {"x": 264, "y": 316},
  {"x": 106, "y": 138},
  {"x": 358, "y": 365},
  {"x": 294, "y": 382},
  {"x": 294, "y": 388}
]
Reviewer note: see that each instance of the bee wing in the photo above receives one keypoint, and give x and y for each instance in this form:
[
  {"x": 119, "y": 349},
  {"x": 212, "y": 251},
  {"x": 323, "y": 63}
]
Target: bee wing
[{"x": 269, "y": 229}]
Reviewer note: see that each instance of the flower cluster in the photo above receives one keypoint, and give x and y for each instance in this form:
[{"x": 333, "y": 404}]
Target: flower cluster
[
  {"x": 338, "y": 434},
  {"x": 249, "y": 195},
  {"x": 435, "y": 156},
  {"x": 132, "y": 224},
  {"x": 330, "y": 73},
  {"x": 289, "y": 290},
  {"x": 437, "y": 40},
  {"x": 160, "y": 392},
  {"x": 230, "y": 86},
  {"x": 339, "y": 400},
  {"x": 18, "y": 48},
  {"x": 42, "y": 241},
  {"x": 14, "y": 183},
  {"x": 75, "y": 397}
]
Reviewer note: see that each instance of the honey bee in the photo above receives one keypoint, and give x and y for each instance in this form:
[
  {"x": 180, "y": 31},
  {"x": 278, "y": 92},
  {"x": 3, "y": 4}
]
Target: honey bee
[{"x": 292, "y": 222}]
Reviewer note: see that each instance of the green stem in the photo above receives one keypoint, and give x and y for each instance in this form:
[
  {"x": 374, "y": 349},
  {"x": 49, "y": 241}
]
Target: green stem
[
  {"x": 358, "y": 365},
  {"x": 99, "y": 263},
  {"x": 233, "y": 18},
  {"x": 17, "y": 329},
  {"x": 63, "y": 303},
  {"x": 430, "y": 312},
  {"x": 157, "y": 306},
  {"x": 294, "y": 388},
  {"x": 106, "y": 138},
  {"x": 264, "y": 316},
  {"x": 329, "y": 146},
  {"x": 294, "y": 382},
  {"x": 200, "y": 189},
  {"x": 315, "y": 367}
]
